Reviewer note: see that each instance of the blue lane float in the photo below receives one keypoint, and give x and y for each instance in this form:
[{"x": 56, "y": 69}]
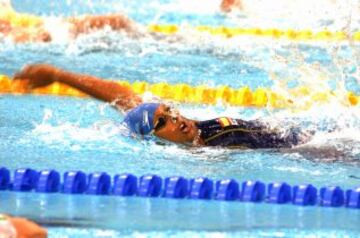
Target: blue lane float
[
  {"x": 279, "y": 193},
  {"x": 227, "y": 189},
  {"x": 353, "y": 198},
  {"x": 252, "y": 191},
  {"x": 99, "y": 184},
  {"x": 304, "y": 195},
  {"x": 331, "y": 196},
  {"x": 4, "y": 178},
  {"x": 25, "y": 180},
  {"x": 74, "y": 182},
  {"x": 48, "y": 181},
  {"x": 125, "y": 184},
  {"x": 201, "y": 188},
  {"x": 176, "y": 187},
  {"x": 150, "y": 185}
]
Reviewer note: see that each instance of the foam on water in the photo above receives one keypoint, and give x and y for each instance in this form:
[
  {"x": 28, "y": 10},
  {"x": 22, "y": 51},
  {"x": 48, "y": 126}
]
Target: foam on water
[{"x": 336, "y": 133}]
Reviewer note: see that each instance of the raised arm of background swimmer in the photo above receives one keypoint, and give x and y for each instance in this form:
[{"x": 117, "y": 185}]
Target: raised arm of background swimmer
[
  {"x": 116, "y": 22},
  {"x": 38, "y": 31},
  {"x": 41, "y": 75}
]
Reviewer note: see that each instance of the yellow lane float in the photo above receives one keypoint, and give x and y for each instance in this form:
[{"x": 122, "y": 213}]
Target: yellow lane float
[
  {"x": 289, "y": 34},
  {"x": 298, "y": 98},
  {"x": 28, "y": 20}
]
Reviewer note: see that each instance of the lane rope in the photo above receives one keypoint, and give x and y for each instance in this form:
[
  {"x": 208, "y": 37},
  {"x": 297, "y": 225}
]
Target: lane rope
[
  {"x": 20, "y": 19},
  {"x": 289, "y": 34},
  {"x": 176, "y": 187},
  {"x": 29, "y": 20},
  {"x": 184, "y": 93}
]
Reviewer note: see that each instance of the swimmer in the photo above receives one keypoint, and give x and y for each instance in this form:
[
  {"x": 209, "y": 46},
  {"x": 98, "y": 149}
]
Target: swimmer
[
  {"x": 38, "y": 29},
  {"x": 12, "y": 227},
  {"x": 230, "y": 5},
  {"x": 162, "y": 120}
]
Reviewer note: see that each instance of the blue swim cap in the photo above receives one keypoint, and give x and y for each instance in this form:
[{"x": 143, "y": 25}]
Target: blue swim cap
[{"x": 140, "y": 120}]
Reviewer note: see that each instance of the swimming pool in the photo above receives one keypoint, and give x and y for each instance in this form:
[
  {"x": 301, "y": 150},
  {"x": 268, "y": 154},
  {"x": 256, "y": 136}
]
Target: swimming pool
[{"x": 63, "y": 133}]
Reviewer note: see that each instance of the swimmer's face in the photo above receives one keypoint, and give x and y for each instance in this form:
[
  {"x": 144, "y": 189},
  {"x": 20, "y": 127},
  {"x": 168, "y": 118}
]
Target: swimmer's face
[{"x": 170, "y": 125}]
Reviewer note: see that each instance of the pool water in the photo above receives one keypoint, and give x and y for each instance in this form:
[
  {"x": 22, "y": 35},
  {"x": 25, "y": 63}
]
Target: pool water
[
  {"x": 64, "y": 133},
  {"x": 163, "y": 217}
]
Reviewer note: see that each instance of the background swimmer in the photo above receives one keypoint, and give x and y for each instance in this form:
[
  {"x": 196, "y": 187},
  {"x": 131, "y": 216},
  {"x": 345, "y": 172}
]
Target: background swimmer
[
  {"x": 39, "y": 29},
  {"x": 230, "y": 5}
]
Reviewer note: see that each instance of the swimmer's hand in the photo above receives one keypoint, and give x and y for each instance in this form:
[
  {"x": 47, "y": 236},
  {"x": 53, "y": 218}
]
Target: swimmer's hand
[
  {"x": 26, "y": 228},
  {"x": 37, "y": 75}
]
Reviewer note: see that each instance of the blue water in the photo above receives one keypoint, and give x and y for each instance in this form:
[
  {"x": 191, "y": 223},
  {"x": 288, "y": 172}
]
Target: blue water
[
  {"x": 142, "y": 12},
  {"x": 164, "y": 217},
  {"x": 64, "y": 133}
]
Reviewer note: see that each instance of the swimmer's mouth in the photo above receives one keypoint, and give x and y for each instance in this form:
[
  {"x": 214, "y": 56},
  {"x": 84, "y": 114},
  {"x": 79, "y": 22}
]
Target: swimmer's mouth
[{"x": 184, "y": 128}]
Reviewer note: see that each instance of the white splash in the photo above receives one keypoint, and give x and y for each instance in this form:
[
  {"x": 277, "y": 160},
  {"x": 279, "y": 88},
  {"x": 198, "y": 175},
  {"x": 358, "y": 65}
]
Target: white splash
[{"x": 101, "y": 135}]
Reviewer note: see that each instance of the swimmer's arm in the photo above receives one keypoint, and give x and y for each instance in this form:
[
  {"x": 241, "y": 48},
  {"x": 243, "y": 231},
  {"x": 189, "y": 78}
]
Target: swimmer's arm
[
  {"x": 121, "y": 95},
  {"x": 88, "y": 23},
  {"x": 41, "y": 75},
  {"x": 27, "y": 228}
]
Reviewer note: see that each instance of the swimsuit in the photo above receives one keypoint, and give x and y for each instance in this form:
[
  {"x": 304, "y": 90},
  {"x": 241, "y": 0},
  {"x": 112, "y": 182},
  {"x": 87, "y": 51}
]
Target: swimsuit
[{"x": 238, "y": 133}]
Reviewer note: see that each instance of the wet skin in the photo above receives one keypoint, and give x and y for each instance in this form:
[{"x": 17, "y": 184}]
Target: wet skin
[{"x": 170, "y": 125}]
